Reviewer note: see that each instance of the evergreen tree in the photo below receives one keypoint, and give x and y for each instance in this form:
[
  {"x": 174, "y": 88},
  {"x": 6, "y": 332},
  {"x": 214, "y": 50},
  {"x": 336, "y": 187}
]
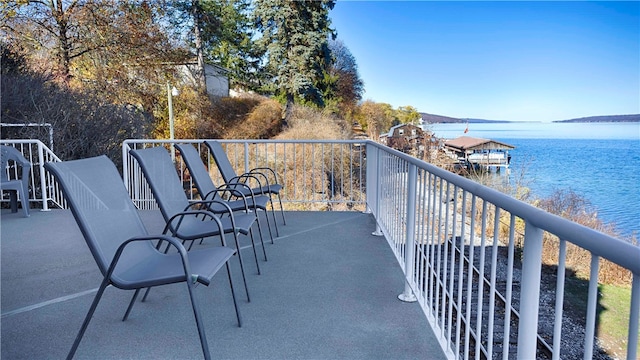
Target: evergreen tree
[
  {"x": 346, "y": 86},
  {"x": 294, "y": 36}
]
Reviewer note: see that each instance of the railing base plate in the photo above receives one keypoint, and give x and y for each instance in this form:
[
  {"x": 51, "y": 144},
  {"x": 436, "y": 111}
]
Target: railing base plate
[{"x": 407, "y": 298}]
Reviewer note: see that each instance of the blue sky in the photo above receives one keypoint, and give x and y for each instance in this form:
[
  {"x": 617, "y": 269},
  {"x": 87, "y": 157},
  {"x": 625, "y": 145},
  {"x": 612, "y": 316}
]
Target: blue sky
[{"x": 502, "y": 60}]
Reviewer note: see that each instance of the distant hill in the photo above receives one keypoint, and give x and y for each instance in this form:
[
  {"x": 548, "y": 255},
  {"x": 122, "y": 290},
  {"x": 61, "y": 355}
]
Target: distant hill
[
  {"x": 605, "y": 118},
  {"x": 440, "y": 119}
]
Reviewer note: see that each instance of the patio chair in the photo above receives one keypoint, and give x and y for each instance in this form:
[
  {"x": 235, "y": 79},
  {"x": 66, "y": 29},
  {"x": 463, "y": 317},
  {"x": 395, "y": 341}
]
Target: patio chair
[
  {"x": 208, "y": 191},
  {"x": 257, "y": 174},
  {"x": 175, "y": 207},
  {"x": 121, "y": 246},
  {"x": 19, "y": 187}
]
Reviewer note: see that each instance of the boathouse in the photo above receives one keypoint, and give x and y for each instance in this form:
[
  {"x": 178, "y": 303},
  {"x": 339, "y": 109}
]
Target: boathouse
[{"x": 479, "y": 153}]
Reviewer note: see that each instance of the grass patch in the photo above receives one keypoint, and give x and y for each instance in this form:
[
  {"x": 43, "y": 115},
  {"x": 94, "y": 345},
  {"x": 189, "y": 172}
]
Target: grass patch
[{"x": 612, "y": 323}]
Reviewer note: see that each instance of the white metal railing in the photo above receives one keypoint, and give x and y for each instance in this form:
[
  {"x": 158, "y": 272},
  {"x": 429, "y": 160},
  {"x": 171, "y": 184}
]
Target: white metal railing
[
  {"x": 446, "y": 232},
  {"x": 42, "y": 186},
  {"x": 316, "y": 174}
]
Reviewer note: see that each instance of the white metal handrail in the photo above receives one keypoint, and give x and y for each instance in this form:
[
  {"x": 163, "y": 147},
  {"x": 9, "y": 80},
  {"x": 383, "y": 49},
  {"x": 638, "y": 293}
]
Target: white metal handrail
[
  {"x": 42, "y": 186},
  {"x": 316, "y": 174},
  {"x": 445, "y": 231}
]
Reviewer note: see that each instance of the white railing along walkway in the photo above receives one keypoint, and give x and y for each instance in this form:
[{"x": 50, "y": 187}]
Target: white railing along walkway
[
  {"x": 42, "y": 186},
  {"x": 316, "y": 174},
  {"x": 447, "y": 231}
]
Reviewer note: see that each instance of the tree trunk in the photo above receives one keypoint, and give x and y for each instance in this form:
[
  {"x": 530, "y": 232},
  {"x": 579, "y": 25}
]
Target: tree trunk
[
  {"x": 63, "y": 41},
  {"x": 288, "y": 110},
  {"x": 201, "y": 82}
]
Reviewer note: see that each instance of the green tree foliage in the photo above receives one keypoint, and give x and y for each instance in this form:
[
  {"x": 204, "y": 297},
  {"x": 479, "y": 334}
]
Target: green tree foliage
[
  {"x": 375, "y": 118},
  {"x": 345, "y": 85},
  {"x": 294, "y": 35},
  {"x": 228, "y": 40},
  {"x": 408, "y": 115}
]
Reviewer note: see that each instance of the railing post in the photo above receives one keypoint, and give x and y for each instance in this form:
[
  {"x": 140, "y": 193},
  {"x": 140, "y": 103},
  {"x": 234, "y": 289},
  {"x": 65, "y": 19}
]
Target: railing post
[
  {"x": 247, "y": 166},
  {"x": 374, "y": 184},
  {"x": 530, "y": 292},
  {"x": 43, "y": 185},
  {"x": 410, "y": 231}
]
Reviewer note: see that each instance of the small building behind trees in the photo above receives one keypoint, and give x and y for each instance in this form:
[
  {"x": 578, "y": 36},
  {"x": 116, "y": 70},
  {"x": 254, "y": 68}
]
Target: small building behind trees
[
  {"x": 216, "y": 78},
  {"x": 410, "y": 139}
]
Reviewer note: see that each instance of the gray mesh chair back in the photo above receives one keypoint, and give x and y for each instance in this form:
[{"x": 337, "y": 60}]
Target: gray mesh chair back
[
  {"x": 17, "y": 186},
  {"x": 183, "y": 222},
  {"x": 207, "y": 189},
  {"x": 260, "y": 175},
  {"x": 120, "y": 244}
]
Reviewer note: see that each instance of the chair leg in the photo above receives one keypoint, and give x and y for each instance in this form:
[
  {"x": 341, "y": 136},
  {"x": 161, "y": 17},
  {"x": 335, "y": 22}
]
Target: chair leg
[
  {"x": 13, "y": 200},
  {"x": 273, "y": 214},
  {"x": 264, "y": 252},
  {"x": 233, "y": 294},
  {"x": 92, "y": 309},
  {"x": 133, "y": 300},
  {"x": 199, "y": 324},
  {"x": 146, "y": 293},
  {"x": 266, "y": 215},
  {"x": 255, "y": 253},
  {"x": 244, "y": 278},
  {"x": 284, "y": 221},
  {"x": 24, "y": 198}
]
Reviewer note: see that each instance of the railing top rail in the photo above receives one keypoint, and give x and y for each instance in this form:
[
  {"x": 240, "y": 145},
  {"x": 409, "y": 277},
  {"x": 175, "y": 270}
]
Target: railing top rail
[
  {"x": 250, "y": 141},
  {"x": 21, "y": 141},
  {"x": 611, "y": 248}
]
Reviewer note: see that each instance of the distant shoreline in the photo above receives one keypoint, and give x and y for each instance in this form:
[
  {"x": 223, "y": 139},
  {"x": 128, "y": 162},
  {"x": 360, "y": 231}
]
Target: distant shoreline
[{"x": 439, "y": 119}]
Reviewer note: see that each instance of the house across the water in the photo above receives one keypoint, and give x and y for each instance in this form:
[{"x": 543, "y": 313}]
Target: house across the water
[{"x": 478, "y": 153}]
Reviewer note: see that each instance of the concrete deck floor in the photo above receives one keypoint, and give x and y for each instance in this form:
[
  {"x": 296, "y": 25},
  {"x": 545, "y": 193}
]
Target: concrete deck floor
[{"x": 328, "y": 291}]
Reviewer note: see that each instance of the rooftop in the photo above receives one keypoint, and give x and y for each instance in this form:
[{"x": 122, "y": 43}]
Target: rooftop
[
  {"x": 468, "y": 142},
  {"x": 328, "y": 290}
]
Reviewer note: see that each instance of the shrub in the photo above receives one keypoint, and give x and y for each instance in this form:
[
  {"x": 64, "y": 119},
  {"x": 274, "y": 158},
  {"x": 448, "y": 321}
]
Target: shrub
[{"x": 83, "y": 124}]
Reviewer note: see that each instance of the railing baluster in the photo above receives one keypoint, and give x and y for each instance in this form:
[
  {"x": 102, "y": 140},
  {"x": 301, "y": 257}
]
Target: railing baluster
[
  {"x": 410, "y": 227},
  {"x": 557, "y": 326},
  {"x": 592, "y": 304},
  {"x": 634, "y": 318},
  {"x": 529, "y": 292},
  {"x": 509, "y": 289}
]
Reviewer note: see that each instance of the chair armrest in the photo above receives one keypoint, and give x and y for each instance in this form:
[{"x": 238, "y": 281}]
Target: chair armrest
[
  {"x": 173, "y": 241},
  {"x": 233, "y": 187},
  {"x": 259, "y": 169},
  {"x": 242, "y": 179},
  {"x": 222, "y": 189},
  {"x": 180, "y": 216}
]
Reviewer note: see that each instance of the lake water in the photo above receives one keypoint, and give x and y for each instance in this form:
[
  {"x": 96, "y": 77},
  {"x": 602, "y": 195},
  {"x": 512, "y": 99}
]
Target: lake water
[{"x": 600, "y": 161}]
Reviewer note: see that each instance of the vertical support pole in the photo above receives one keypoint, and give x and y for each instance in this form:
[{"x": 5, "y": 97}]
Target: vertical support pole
[
  {"x": 530, "y": 292},
  {"x": 43, "y": 184},
  {"x": 634, "y": 318},
  {"x": 373, "y": 183},
  {"x": 125, "y": 166},
  {"x": 171, "y": 121},
  {"x": 409, "y": 262},
  {"x": 592, "y": 304},
  {"x": 247, "y": 166}
]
